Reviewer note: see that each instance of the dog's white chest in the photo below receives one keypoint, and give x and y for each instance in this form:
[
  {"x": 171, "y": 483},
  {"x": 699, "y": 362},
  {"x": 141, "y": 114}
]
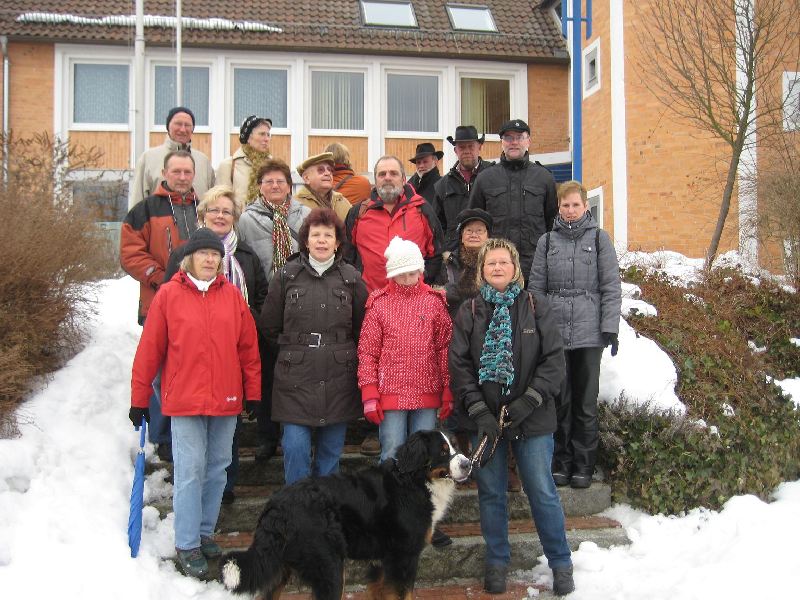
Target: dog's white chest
[{"x": 441, "y": 495}]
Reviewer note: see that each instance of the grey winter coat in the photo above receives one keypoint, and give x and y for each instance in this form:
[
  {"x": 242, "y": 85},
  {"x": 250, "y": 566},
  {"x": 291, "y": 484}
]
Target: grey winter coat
[
  {"x": 521, "y": 197},
  {"x": 255, "y": 229},
  {"x": 581, "y": 282},
  {"x": 314, "y": 321}
]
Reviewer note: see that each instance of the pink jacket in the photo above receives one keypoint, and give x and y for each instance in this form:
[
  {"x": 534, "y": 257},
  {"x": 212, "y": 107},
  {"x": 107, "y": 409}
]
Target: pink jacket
[{"x": 402, "y": 349}]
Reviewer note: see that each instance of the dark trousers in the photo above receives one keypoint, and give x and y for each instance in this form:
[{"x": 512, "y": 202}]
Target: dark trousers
[
  {"x": 269, "y": 432},
  {"x": 578, "y": 433}
]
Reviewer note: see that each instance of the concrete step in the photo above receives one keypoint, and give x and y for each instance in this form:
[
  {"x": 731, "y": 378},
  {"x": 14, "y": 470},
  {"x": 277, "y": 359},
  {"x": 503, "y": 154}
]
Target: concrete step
[{"x": 463, "y": 559}]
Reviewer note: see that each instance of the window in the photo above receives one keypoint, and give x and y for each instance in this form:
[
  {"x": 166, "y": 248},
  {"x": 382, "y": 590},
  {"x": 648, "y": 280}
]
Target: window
[
  {"x": 100, "y": 93},
  {"x": 791, "y": 95},
  {"x": 413, "y": 103},
  {"x": 106, "y": 201},
  {"x": 471, "y": 18},
  {"x": 337, "y": 100},
  {"x": 194, "y": 93},
  {"x": 485, "y": 103},
  {"x": 388, "y": 14},
  {"x": 595, "y": 201},
  {"x": 591, "y": 68},
  {"x": 261, "y": 92}
]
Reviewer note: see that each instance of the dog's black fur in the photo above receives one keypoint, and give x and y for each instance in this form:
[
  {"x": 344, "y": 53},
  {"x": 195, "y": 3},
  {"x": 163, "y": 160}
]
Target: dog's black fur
[{"x": 384, "y": 513}]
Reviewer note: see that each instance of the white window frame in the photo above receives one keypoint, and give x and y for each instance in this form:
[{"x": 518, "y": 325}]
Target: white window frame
[
  {"x": 517, "y": 93},
  {"x": 791, "y": 86},
  {"x": 451, "y": 5},
  {"x": 588, "y": 89},
  {"x": 340, "y": 68},
  {"x": 79, "y": 59},
  {"x": 237, "y": 63},
  {"x": 391, "y": 25},
  {"x": 395, "y": 70},
  {"x": 157, "y": 122},
  {"x": 595, "y": 199}
]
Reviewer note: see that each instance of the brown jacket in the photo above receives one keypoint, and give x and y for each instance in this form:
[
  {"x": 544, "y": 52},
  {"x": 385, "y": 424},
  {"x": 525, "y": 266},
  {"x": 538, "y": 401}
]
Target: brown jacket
[
  {"x": 313, "y": 323},
  {"x": 339, "y": 203}
]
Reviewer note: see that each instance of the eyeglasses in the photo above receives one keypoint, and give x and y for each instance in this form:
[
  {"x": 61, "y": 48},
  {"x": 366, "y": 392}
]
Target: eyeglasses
[
  {"x": 216, "y": 211},
  {"x": 475, "y": 231},
  {"x": 499, "y": 263},
  {"x": 514, "y": 138},
  {"x": 271, "y": 182}
]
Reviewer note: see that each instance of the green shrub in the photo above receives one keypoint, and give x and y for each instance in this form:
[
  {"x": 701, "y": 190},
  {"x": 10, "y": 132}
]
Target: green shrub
[
  {"x": 52, "y": 249},
  {"x": 669, "y": 464}
]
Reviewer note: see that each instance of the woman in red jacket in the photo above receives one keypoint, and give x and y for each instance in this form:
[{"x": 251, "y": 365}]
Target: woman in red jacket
[{"x": 200, "y": 329}]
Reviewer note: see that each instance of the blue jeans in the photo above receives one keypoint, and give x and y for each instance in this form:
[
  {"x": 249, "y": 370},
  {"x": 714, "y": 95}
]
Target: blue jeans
[
  {"x": 201, "y": 449},
  {"x": 159, "y": 424},
  {"x": 397, "y": 425},
  {"x": 297, "y": 450},
  {"x": 534, "y": 456}
]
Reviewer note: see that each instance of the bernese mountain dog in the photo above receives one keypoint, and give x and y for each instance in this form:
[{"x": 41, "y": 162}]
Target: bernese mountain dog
[{"x": 382, "y": 513}]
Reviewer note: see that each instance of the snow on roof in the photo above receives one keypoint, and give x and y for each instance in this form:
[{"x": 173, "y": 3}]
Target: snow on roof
[{"x": 166, "y": 22}]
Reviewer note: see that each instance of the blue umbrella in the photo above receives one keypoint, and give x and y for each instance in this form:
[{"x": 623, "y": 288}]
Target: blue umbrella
[{"x": 137, "y": 497}]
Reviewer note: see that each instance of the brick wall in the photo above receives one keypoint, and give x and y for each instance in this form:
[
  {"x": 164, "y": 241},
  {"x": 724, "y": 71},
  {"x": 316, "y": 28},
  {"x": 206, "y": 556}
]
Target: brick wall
[
  {"x": 548, "y": 107},
  {"x": 31, "y": 82}
]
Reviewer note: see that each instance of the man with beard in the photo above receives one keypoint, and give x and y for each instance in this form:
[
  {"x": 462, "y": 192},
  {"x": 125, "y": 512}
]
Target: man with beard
[
  {"x": 393, "y": 209},
  {"x": 452, "y": 191}
]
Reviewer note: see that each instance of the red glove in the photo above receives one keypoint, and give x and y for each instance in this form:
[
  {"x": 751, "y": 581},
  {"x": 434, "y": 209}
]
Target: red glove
[
  {"x": 446, "y": 410},
  {"x": 373, "y": 411}
]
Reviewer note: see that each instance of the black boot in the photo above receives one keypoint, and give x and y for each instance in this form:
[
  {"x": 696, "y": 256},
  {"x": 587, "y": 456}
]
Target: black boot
[
  {"x": 440, "y": 539},
  {"x": 494, "y": 581},
  {"x": 563, "y": 583}
]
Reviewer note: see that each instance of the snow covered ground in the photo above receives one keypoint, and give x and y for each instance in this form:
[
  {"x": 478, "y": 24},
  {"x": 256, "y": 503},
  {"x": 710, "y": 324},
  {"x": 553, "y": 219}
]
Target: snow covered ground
[{"x": 65, "y": 484}]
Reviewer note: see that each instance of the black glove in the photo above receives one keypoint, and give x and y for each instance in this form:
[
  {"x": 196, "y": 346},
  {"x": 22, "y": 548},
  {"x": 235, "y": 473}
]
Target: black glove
[
  {"x": 519, "y": 408},
  {"x": 486, "y": 422},
  {"x": 135, "y": 414},
  {"x": 251, "y": 408},
  {"x": 611, "y": 339}
]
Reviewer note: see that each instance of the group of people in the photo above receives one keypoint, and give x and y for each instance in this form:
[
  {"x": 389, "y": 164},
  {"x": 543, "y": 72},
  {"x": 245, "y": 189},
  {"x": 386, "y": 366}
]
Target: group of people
[{"x": 480, "y": 301}]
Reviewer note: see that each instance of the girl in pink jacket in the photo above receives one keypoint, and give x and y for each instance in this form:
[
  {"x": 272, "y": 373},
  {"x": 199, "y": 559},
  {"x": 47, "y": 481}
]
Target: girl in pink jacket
[{"x": 402, "y": 351}]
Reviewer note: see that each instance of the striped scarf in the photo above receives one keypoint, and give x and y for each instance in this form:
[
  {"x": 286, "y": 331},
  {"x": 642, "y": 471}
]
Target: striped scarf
[
  {"x": 281, "y": 235},
  {"x": 497, "y": 357},
  {"x": 233, "y": 270}
]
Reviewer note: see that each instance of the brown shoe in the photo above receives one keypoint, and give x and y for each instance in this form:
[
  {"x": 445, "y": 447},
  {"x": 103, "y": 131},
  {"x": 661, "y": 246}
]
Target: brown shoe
[{"x": 371, "y": 446}]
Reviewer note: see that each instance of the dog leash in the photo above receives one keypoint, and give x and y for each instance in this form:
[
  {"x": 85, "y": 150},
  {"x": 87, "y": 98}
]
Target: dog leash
[{"x": 477, "y": 456}]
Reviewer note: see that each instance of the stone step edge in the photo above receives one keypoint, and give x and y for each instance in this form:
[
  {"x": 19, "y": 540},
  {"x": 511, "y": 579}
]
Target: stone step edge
[{"x": 239, "y": 540}]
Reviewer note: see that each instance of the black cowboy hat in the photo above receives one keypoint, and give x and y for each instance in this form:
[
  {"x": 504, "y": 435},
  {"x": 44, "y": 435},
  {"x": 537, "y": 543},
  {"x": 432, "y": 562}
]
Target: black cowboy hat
[
  {"x": 426, "y": 149},
  {"x": 466, "y": 133}
]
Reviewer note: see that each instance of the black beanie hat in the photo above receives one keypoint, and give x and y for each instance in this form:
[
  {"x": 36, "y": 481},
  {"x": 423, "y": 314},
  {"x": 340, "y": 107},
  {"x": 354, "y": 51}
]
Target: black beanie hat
[
  {"x": 179, "y": 109},
  {"x": 203, "y": 238},
  {"x": 249, "y": 124},
  {"x": 474, "y": 214}
]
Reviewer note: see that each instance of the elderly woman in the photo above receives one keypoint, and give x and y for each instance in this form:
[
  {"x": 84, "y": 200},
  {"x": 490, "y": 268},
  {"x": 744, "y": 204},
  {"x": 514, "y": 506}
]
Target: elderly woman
[
  {"x": 473, "y": 230},
  {"x": 241, "y": 169},
  {"x": 219, "y": 212},
  {"x": 576, "y": 266},
  {"x": 201, "y": 330},
  {"x": 507, "y": 354},
  {"x": 313, "y": 313}
]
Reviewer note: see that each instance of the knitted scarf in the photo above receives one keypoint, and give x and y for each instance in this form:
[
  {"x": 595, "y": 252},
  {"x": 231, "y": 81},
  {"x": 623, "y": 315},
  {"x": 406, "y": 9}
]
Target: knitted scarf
[
  {"x": 256, "y": 159},
  {"x": 281, "y": 235},
  {"x": 496, "y": 357},
  {"x": 231, "y": 267}
]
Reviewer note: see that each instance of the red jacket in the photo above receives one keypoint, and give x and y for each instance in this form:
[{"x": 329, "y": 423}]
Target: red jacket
[
  {"x": 370, "y": 228},
  {"x": 151, "y": 230},
  {"x": 402, "y": 349},
  {"x": 207, "y": 344}
]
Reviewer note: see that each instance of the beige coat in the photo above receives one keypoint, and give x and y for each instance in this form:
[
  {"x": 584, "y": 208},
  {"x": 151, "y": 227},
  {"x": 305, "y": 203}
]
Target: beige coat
[
  {"x": 235, "y": 170},
  {"x": 339, "y": 204},
  {"x": 147, "y": 175}
]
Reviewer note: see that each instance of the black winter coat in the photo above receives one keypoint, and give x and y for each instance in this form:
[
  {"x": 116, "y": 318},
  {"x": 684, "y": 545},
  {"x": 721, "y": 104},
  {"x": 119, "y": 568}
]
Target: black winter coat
[
  {"x": 424, "y": 185},
  {"x": 521, "y": 197},
  {"x": 538, "y": 359},
  {"x": 314, "y": 321},
  {"x": 451, "y": 197}
]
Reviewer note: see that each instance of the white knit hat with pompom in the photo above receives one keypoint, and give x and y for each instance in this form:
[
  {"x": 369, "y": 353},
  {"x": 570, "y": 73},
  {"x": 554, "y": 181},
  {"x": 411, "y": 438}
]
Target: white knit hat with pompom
[{"x": 403, "y": 256}]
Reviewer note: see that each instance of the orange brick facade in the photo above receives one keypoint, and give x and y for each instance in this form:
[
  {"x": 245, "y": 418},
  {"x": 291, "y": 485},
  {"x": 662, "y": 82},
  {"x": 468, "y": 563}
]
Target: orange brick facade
[
  {"x": 31, "y": 68},
  {"x": 548, "y": 108}
]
